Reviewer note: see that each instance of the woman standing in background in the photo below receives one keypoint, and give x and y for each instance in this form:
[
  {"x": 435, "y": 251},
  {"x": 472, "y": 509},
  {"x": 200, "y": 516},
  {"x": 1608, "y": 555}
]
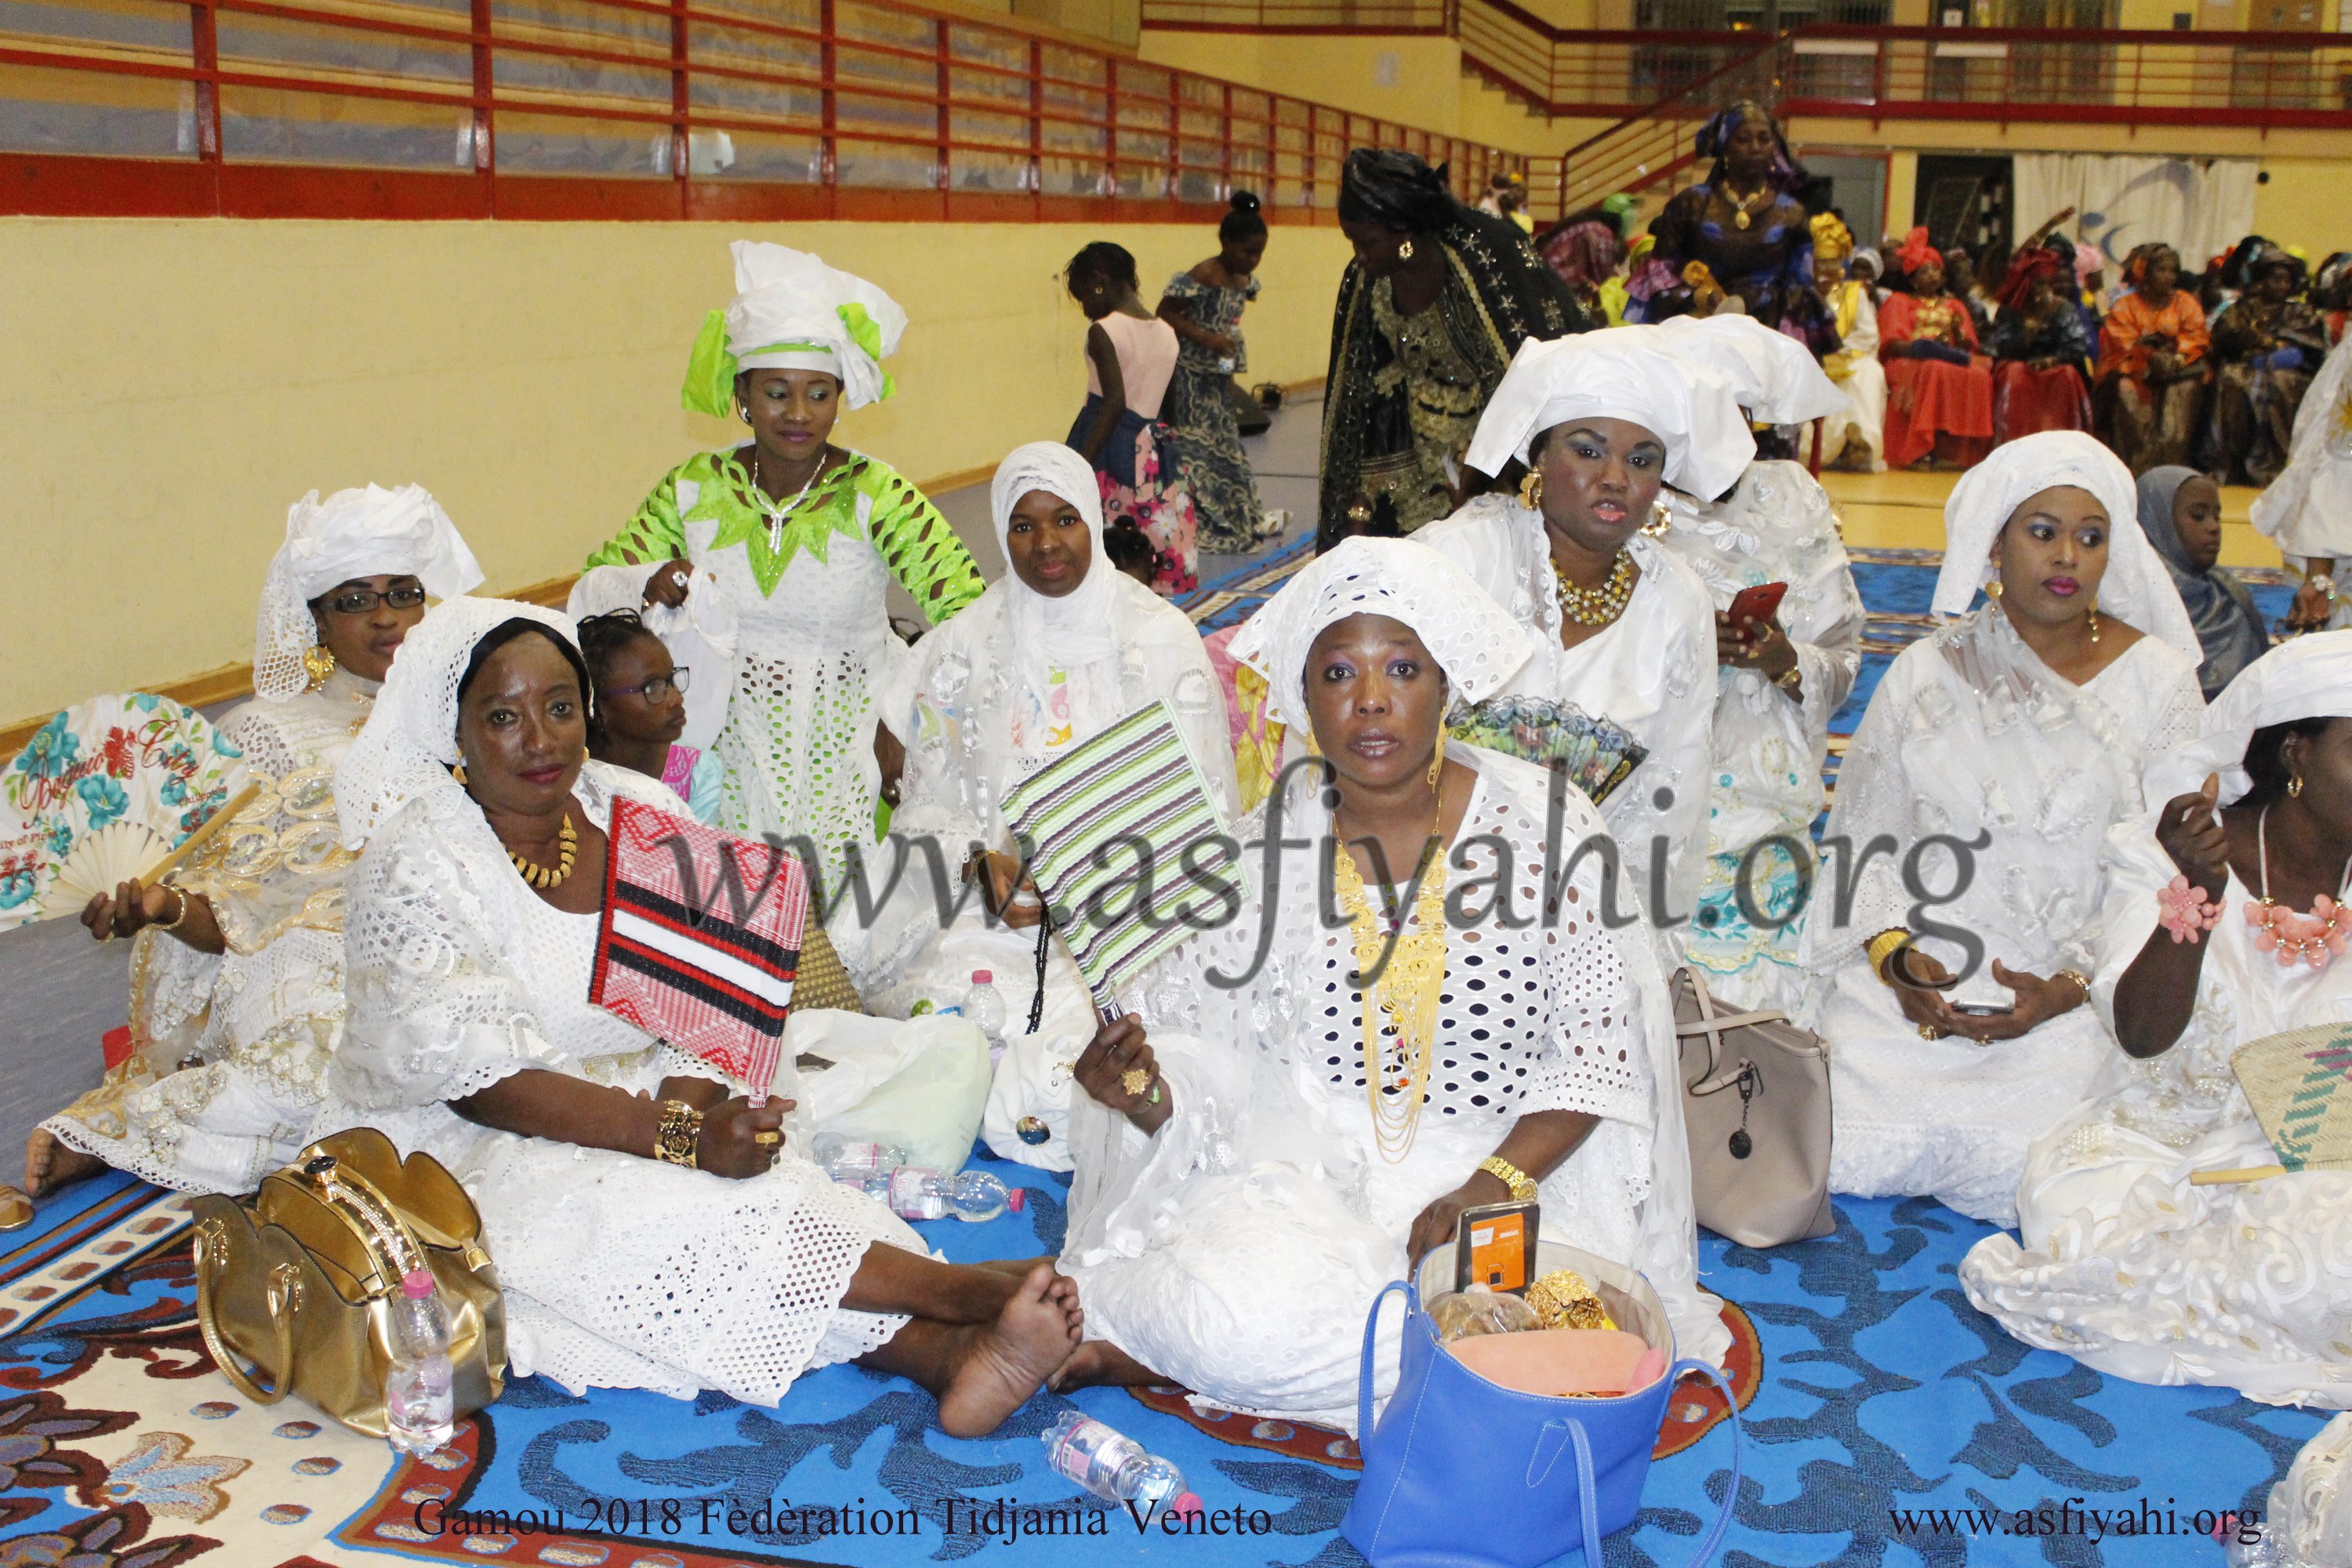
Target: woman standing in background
[
  {"x": 1204, "y": 308},
  {"x": 1430, "y": 311},
  {"x": 1130, "y": 361}
]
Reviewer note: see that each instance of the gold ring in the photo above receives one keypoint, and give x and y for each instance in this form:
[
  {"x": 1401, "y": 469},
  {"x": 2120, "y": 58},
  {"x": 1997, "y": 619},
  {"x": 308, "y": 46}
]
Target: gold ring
[
  {"x": 1929, "y": 1032},
  {"x": 767, "y": 1140},
  {"x": 1135, "y": 1081}
]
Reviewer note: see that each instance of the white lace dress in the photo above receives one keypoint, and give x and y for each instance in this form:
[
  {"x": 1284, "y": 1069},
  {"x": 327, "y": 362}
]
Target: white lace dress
[
  {"x": 620, "y": 1271},
  {"x": 1651, "y": 671},
  {"x": 1970, "y": 735},
  {"x": 1236, "y": 1250},
  {"x": 1776, "y": 526},
  {"x": 258, "y": 1023},
  {"x": 975, "y": 729},
  {"x": 2125, "y": 1266}
]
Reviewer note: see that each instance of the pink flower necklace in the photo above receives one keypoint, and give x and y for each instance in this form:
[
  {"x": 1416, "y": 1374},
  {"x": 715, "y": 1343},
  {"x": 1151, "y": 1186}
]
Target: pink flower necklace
[{"x": 2312, "y": 939}]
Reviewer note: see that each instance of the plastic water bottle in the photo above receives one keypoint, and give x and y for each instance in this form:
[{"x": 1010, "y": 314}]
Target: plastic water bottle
[
  {"x": 975, "y": 1196},
  {"x": 984, "y": 1005},
  {"x": 419, "y": 1397},
  {"x": 1113, "y": 1466},
  {"x": 864, "y": 1165}
]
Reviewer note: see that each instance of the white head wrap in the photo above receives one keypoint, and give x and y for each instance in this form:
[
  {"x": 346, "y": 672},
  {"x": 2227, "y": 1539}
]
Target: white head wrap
[
  {"x": 368, "y": 532},
  {"x": 2136, "y": 588},
  {"x": 410, "y": 740},
  {"x": 1771, "y": 374},
  {"x": 1869, "y": 254},
  {"x": 2309, "y": 677},
  {"x": 1075, "y": 629},
  {"x": 1474, "y": 640},
  {"x": 793, "y": 312},
  {"x": 1620, "y": 372}
]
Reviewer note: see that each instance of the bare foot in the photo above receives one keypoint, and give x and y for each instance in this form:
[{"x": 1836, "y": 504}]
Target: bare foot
[
  {"x": 50, "y": 1164},
  {"x": 1098, "y": 1363},
  {"x": 999, "y": 1366}
]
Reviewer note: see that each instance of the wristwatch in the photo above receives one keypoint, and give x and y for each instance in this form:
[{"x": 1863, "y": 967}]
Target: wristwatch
[
  {"x": 1522, "y": 1185},
  {"x": 677, "y": 1136}
]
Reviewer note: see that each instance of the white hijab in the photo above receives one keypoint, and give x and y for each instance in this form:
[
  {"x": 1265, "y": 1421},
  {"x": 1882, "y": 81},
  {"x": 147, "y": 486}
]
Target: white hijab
[
  {"x": 2309, "y": 677},
  {"x": 2136, "y": 588},
  {"x": 1077, "y": 629},
  {"x": 410, "y": 741},
  {"x": 1620, "y": 372},
  {"x": 1474, "y": 640},
  {"x": 1772, "y": 375},
  {"x": 368, "y": 532}
]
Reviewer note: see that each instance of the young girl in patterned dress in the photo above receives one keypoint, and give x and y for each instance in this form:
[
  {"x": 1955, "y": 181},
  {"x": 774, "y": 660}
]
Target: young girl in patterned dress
[{"x": 1131, "y": 359}]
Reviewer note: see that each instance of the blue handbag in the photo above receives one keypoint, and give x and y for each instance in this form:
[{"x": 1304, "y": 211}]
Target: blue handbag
[{"x": 1445, "y": 1485}]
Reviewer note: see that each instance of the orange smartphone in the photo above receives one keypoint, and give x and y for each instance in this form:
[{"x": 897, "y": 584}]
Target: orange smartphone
[
  {"x": 1494, "y": 1246},
  {"x": 1758, "y": 604}
]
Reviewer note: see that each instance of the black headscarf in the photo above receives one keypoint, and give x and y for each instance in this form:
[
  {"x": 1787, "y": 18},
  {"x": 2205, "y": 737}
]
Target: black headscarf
[{"x": 1499, "y": 293}]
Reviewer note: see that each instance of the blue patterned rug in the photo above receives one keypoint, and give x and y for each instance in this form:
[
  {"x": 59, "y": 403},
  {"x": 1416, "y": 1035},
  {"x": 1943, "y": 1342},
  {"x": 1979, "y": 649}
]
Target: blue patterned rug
[{"x": 1887, "y": 1407}]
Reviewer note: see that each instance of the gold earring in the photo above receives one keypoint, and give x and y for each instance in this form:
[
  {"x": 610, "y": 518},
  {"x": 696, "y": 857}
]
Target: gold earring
[
  {"x": 458, "y": 775},
  {"x": 1437, "y": 759},
  {"x": 1992, "y": 589},
  {"x": 1404, "y": 251},
  {"x": 2094, "y": 624},
  {"x": 1661, "y": 519},
  {"x": 318, "y": 663},
  {"x": 2294, "y": 787},
  {"x": 1532, "y": 490}
]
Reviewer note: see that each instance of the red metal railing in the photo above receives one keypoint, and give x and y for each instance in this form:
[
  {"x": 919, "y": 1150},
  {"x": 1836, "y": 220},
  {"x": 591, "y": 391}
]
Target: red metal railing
[
  {"x": 2269, "y": 80},
  {"x": 704, "y": 108}
]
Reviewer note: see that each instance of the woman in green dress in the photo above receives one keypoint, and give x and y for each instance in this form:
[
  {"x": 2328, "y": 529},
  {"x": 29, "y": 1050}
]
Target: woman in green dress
[
  {"x": 1204, "y": 306},
  {"x": 803, "y": 538}
]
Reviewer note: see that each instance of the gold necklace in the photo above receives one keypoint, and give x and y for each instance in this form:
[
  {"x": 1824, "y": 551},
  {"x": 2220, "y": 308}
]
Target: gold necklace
[
  {"x": 540, "y": 876},
  {"x": 1407, "y": 993},
  {"x": 1596, "y": 606},
  {"x": 1739, "y": 202}
]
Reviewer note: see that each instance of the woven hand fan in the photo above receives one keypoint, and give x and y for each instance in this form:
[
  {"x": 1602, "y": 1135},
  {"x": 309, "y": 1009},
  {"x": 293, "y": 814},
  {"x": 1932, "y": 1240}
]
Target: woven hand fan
[
  {"x": 1087, "y": 817},
  {"x": 1596, "y": 754},
  {"x": 700, "y": 939},
  {"x": 2297, "y": 1084},
  {"x": 106, "y": 790}
]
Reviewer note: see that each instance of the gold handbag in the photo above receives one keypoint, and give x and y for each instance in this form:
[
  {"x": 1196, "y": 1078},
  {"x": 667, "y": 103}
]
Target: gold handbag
[{"x": 301, "y": 1282}]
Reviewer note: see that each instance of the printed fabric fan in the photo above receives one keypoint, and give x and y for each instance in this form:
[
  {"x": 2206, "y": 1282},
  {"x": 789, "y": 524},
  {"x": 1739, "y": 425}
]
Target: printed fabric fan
[
  {"x": 1596, "y": 753},
  {"x": 1112, "y": 827},
  {"x": 700, "y": 939},
  {"x": 2297, "y": 1086},
  {"x": 107, "y": 789}
]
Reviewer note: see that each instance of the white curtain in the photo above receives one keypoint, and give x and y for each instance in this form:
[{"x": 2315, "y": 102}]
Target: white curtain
[{"x": 2200, "y": 206}]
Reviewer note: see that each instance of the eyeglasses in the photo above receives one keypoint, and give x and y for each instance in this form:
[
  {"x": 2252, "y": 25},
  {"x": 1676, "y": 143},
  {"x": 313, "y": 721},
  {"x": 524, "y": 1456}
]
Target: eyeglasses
[
  {"x": 360, "y": 601},
  {"x": 657, "y": 689}
]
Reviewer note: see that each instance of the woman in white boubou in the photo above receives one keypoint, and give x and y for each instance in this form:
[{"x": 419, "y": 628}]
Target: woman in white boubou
[
  {"x": 720, "y": 1259},
  {"x": 237, "y": 970},
  {"x": 1779, "y": 680},
  {"x": 2122, "y": 1262},
  {"x": 1622, "y": 628},
  {"x": 2022, "y": 729},
  {"x": 1256, "y": 1162},
  {"x": 1061, "y": 647}
]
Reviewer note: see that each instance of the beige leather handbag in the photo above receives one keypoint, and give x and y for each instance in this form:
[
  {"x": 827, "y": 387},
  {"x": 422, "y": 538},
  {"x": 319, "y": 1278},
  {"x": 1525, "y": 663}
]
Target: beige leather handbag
[
  {"x": 299, "y": 1281},
  {"x": 1756, "y": 1098}
]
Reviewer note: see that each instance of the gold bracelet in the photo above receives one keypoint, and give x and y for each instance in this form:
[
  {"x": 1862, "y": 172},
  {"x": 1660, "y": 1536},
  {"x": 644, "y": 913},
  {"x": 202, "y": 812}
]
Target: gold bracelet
[
  {"x": 181, "y": 913},
  {"x": 1882, "y": 947},
  {"x": 1789, "y": 679},
  {"x": 1522, "y": 1185},
  {"x": 2079, "y": 978},
  {"x": 678, "y": 1137}
]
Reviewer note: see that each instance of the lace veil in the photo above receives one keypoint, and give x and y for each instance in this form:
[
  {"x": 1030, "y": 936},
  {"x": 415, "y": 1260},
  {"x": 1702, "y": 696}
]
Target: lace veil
[{"x": 353, "y": 533}]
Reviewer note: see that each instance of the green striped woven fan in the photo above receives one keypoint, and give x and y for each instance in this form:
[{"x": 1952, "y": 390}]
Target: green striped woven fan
[
  {"x": 2297, "y": 1086},
  {"x": 1089, "y": 818}
]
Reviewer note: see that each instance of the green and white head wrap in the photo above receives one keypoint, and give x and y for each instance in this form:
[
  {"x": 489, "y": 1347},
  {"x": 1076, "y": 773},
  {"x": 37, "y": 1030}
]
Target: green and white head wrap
[{"x": 793, "y": 312}]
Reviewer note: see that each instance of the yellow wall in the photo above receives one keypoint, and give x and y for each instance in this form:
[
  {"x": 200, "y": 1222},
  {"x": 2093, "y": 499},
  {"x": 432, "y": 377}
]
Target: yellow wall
[
  {"x": 174, "y": 384},
  {"x": 2303, "y": 204}
]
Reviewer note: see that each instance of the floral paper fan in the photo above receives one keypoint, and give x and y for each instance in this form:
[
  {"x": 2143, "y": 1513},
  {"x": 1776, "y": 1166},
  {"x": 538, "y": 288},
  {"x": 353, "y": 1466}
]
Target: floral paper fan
[
  {"x": 103, "y": 792},
  {"x": 1596, "y": 753}
]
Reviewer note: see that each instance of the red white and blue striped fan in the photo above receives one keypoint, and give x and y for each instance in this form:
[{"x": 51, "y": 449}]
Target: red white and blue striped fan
[
  {"x": 700, "y": 939},
  {"x": 1086, "y": 815}
]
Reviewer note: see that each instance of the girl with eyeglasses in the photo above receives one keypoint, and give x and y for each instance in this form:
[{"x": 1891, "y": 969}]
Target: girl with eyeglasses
[{"x": 640, "y": 709}]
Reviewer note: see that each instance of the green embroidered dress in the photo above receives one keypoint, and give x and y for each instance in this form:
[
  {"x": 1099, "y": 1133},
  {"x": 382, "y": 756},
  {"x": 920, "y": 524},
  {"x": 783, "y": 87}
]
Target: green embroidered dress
[{"x": 813, "y": 640}]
